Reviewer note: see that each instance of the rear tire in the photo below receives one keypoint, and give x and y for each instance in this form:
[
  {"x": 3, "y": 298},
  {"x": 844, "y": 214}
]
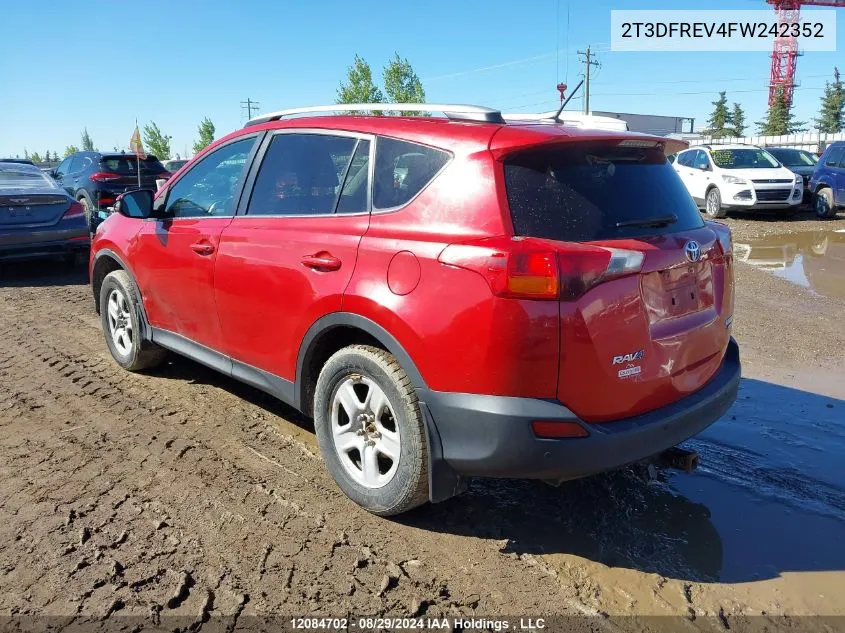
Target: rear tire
[
  {"x": 86, "y": 203},
  {"x": 120, "y": 314},
  {"x": 713, "y": 204},
  {"x": 824, "y": 207},
  {"x": 371, "y": 431}
]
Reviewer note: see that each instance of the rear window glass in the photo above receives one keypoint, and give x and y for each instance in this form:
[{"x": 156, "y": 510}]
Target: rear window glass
[
  {"x": 24, "y": 178},
  {"x": 403, "y": 170},
  {"x": 129, "y": 164},
  {"x": 580, "y": 192}
]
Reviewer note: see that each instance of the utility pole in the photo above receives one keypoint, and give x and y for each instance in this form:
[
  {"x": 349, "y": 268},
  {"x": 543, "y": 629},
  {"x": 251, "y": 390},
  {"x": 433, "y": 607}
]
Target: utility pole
[
  {"x": 250, "y": 105},
  {"x": 587, "y": 58}
]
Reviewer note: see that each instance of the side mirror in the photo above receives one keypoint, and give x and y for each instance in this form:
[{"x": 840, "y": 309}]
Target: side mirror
[
  {"x": 135, "y": 204},
  {"x": 705, "y": 168}
]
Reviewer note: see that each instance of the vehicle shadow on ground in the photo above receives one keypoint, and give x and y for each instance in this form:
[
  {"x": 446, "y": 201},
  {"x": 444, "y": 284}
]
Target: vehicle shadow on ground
[
  {"x": 184, "y": 369},
  {"x": 42, "y": 272},
  {"x": 769, "y": 499}
]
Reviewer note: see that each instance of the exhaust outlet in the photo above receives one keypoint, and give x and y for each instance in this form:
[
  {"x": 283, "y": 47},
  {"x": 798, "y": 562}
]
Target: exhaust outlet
[{"x": 680, "y": 458}]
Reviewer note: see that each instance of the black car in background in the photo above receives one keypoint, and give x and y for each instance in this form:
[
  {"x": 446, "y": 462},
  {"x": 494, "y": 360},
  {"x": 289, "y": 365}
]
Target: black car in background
[
  {"x": 38, "y": 218},
  {"x": 798, "y": 161},
  {"x": 19, "y": 161},
  {"x": 95, "y": 179}
]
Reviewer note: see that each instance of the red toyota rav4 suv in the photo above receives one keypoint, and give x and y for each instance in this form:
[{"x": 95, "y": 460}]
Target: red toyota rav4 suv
[{"x": 446, "y": 297}]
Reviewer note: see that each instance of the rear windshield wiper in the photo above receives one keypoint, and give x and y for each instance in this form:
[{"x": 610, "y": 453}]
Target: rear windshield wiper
[{"x": 662, "y": 220}]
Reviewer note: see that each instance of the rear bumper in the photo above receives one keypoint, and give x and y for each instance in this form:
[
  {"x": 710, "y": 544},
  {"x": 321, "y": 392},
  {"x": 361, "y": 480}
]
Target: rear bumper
[
  {"x": 27, "y": 245},
  {"x": 491, "y": 436}
]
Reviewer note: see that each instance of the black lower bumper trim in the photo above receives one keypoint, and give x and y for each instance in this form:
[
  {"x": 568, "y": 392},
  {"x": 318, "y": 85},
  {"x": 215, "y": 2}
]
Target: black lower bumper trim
[{"x": 491, "y": 436}]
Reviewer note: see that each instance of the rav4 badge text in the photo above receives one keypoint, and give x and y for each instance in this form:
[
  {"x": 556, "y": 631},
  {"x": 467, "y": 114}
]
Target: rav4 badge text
[{"x": 627, "y": 358}]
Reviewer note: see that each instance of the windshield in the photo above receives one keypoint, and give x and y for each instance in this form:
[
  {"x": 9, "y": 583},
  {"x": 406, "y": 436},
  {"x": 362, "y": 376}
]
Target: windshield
[
  {"x": 594, "y": 191},
  {"x": 751, "y": 158},
  {"x": 18, "y": 177},
  {"x": 794, "y": 157}
]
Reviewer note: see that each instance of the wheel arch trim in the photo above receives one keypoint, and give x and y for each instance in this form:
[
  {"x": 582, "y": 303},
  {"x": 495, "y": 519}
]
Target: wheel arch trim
[
  {"x": 334, "y": 320},
  {"x": 110, "y": 254}
]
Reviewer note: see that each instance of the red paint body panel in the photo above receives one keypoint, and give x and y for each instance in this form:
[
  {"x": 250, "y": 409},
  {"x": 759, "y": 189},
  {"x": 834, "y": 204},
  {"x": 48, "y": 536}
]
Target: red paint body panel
[
  {"x": 267, "y": 299},
  {"x": 176, "y": 282}
]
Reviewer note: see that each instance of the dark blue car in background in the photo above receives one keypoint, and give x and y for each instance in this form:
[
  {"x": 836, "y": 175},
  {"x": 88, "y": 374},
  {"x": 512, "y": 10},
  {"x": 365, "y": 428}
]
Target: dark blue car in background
[
  {"x": 95, "y": 179},
  {"x": 828, "y": 181},
  {"x": 38, "y": 218}
]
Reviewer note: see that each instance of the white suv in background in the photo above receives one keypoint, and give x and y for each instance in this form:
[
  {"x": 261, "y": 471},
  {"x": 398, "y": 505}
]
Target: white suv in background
[{"x": 724, "y": 177}]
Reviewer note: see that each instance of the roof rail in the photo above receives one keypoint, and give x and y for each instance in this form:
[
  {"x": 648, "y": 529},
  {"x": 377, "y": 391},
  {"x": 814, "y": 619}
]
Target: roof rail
[{"x": 453, "y": 112}]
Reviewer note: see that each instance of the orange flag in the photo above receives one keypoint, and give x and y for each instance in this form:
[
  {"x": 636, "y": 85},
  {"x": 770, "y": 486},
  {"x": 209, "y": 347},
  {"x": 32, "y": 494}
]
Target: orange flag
[{"x": 136, "y": 145}]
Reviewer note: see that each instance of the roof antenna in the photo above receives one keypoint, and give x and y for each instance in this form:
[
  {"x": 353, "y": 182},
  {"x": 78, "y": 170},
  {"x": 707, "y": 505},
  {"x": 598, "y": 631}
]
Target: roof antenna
[{"x": 556, "y": 117}]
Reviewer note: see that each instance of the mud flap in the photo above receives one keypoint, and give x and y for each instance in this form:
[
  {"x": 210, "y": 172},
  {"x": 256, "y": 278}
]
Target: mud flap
[{"x": 443, "y": 482}]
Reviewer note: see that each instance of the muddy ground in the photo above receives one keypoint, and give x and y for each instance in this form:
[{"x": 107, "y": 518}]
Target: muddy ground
[{"x": 186, "y": 499}]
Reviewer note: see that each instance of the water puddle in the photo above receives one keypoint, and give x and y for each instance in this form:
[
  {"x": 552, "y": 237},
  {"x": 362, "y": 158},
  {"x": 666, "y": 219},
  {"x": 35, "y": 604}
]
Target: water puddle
[{"x": 814, "y": 260}]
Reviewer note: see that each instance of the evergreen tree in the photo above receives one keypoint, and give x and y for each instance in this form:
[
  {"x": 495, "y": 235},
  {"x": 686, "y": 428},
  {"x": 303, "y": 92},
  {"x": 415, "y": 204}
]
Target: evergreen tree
[
  {"x": 779, "y": 119},
  {"x": 737, "y": 121},
  {"x": 831, "y": 117},
  {"x": 718, "y": 123}
]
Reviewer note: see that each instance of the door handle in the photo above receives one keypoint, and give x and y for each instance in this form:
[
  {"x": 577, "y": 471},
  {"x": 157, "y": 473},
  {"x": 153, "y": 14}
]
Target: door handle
[
  {"x": 321, "y": 261},
  {"x": 202, "y": 248}
]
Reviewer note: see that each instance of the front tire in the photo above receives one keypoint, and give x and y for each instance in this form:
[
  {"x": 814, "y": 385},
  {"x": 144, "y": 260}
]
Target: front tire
[
  {"x": 824, "y": 207},
  {"x": 371, "y": 431},
  {"x": 120, "y": 314},
  {"x": 713, "y": 204}
]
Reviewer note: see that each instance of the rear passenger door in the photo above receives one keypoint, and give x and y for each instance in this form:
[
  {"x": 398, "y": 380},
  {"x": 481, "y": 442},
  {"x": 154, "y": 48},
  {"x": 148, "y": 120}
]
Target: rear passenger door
[{"x": 287, "y": 257}]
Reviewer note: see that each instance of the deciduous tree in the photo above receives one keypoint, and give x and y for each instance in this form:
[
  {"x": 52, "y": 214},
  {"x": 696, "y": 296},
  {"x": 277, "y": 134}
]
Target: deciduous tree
[
  {"x": 156, "y": 143},
  {"x": 206, "y": 135}
]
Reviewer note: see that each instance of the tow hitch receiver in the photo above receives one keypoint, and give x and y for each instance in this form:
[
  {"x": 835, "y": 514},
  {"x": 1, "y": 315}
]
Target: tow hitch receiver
[{"x": 679, "y": 458}]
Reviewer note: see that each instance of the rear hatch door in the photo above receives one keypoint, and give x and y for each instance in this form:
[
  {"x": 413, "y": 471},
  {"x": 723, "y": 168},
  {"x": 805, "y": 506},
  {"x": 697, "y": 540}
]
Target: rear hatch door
[
  {"x": 124, "y": 168},
  {"x": 651, "y": 326}
]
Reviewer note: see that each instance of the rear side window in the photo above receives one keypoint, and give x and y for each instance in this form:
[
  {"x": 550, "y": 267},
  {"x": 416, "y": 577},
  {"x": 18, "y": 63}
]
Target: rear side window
[
  {"x": 403, "y": 170},
  {"x": 686, "y": 158},
  {"x": 302, "y": 174},
  {"x": 834, "y": 158},
  {"x": 580, "y": 192}
]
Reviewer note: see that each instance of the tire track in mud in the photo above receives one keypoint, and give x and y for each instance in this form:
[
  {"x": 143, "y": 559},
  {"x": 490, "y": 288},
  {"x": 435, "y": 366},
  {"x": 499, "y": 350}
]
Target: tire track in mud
[{"x": 126, "y": 494}]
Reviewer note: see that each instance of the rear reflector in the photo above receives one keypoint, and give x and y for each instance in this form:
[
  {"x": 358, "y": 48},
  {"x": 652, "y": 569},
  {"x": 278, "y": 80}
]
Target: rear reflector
[
  {"x": 551, "y": 429},
  {"x": 76, "y": 210}
]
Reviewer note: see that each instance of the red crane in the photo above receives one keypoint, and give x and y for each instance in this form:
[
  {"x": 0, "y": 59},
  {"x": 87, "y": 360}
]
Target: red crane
[{"x": 785, "y": 53}]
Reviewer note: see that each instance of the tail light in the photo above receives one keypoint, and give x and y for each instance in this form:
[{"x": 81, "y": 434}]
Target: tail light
[
  {"x": 526, "y": 268},
  {"x": 104, "y": 176},
  {"x": 76, "y": 210}
]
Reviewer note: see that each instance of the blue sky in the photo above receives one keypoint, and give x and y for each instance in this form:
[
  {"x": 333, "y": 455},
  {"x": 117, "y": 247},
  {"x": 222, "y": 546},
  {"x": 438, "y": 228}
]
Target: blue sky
[{"x": 176, "y": 62}]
